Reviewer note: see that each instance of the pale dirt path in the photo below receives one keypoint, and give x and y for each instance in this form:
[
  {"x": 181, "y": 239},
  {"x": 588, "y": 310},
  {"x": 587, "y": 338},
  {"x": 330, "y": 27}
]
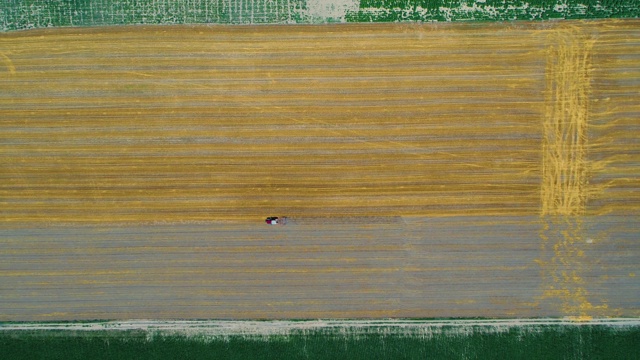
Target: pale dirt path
[{"x": 347, "y": 327}]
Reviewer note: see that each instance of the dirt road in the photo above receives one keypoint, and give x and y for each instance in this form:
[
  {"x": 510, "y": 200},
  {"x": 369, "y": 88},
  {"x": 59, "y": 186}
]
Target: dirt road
[{"x": 500, "y": 162}]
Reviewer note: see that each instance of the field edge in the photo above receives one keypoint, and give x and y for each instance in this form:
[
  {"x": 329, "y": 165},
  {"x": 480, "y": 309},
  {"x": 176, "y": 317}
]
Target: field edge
[{"x": 593, "y": 339}]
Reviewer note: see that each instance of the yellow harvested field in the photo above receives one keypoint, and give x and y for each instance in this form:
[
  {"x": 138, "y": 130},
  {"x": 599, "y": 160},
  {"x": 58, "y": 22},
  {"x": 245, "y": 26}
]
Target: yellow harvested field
[
  {"x": 229, "y": 123},
  {"x": 232, "y": 123},
  {"x": 428, "y": 170}
]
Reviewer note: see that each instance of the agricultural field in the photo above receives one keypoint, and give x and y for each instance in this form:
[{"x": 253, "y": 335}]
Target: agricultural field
[{"x": 428, "y": 171}]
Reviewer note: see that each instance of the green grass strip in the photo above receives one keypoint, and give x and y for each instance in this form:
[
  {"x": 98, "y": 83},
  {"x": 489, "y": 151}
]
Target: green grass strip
[
  {"x": 491, "y": 10},
  {"x": 29, "y": 14},
  {"x": 473, "y": 342}
]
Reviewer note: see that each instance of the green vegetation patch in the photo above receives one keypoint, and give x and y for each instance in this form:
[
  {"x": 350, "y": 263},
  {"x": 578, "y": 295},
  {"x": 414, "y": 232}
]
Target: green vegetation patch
[
  {"x": 28, "y": 14},
  {"x": 469, "y": 342},
  {"x": 491, "y": 10}
]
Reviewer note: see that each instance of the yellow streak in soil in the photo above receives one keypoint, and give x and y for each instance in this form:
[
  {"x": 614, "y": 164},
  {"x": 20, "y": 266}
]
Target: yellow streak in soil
[
  {"x": 8, "y": 63},
  {"x": 566, "y": 168},
  {"x": 564, "y": 161}
]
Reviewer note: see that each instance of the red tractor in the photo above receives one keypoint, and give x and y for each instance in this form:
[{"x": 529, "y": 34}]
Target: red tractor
[{"x": 274, "y": 220}]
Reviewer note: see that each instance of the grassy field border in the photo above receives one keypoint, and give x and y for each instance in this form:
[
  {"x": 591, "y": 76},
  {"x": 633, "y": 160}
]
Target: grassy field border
[
  {"x": 491, "y": 10},
  {"x": 577, "y": 341},
  {"x": 30, "y": 14}
]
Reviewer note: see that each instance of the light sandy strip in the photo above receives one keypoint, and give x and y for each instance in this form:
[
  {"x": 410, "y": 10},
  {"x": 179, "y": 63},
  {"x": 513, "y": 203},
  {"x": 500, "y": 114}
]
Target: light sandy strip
[{"x": 224, "y": 328}]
